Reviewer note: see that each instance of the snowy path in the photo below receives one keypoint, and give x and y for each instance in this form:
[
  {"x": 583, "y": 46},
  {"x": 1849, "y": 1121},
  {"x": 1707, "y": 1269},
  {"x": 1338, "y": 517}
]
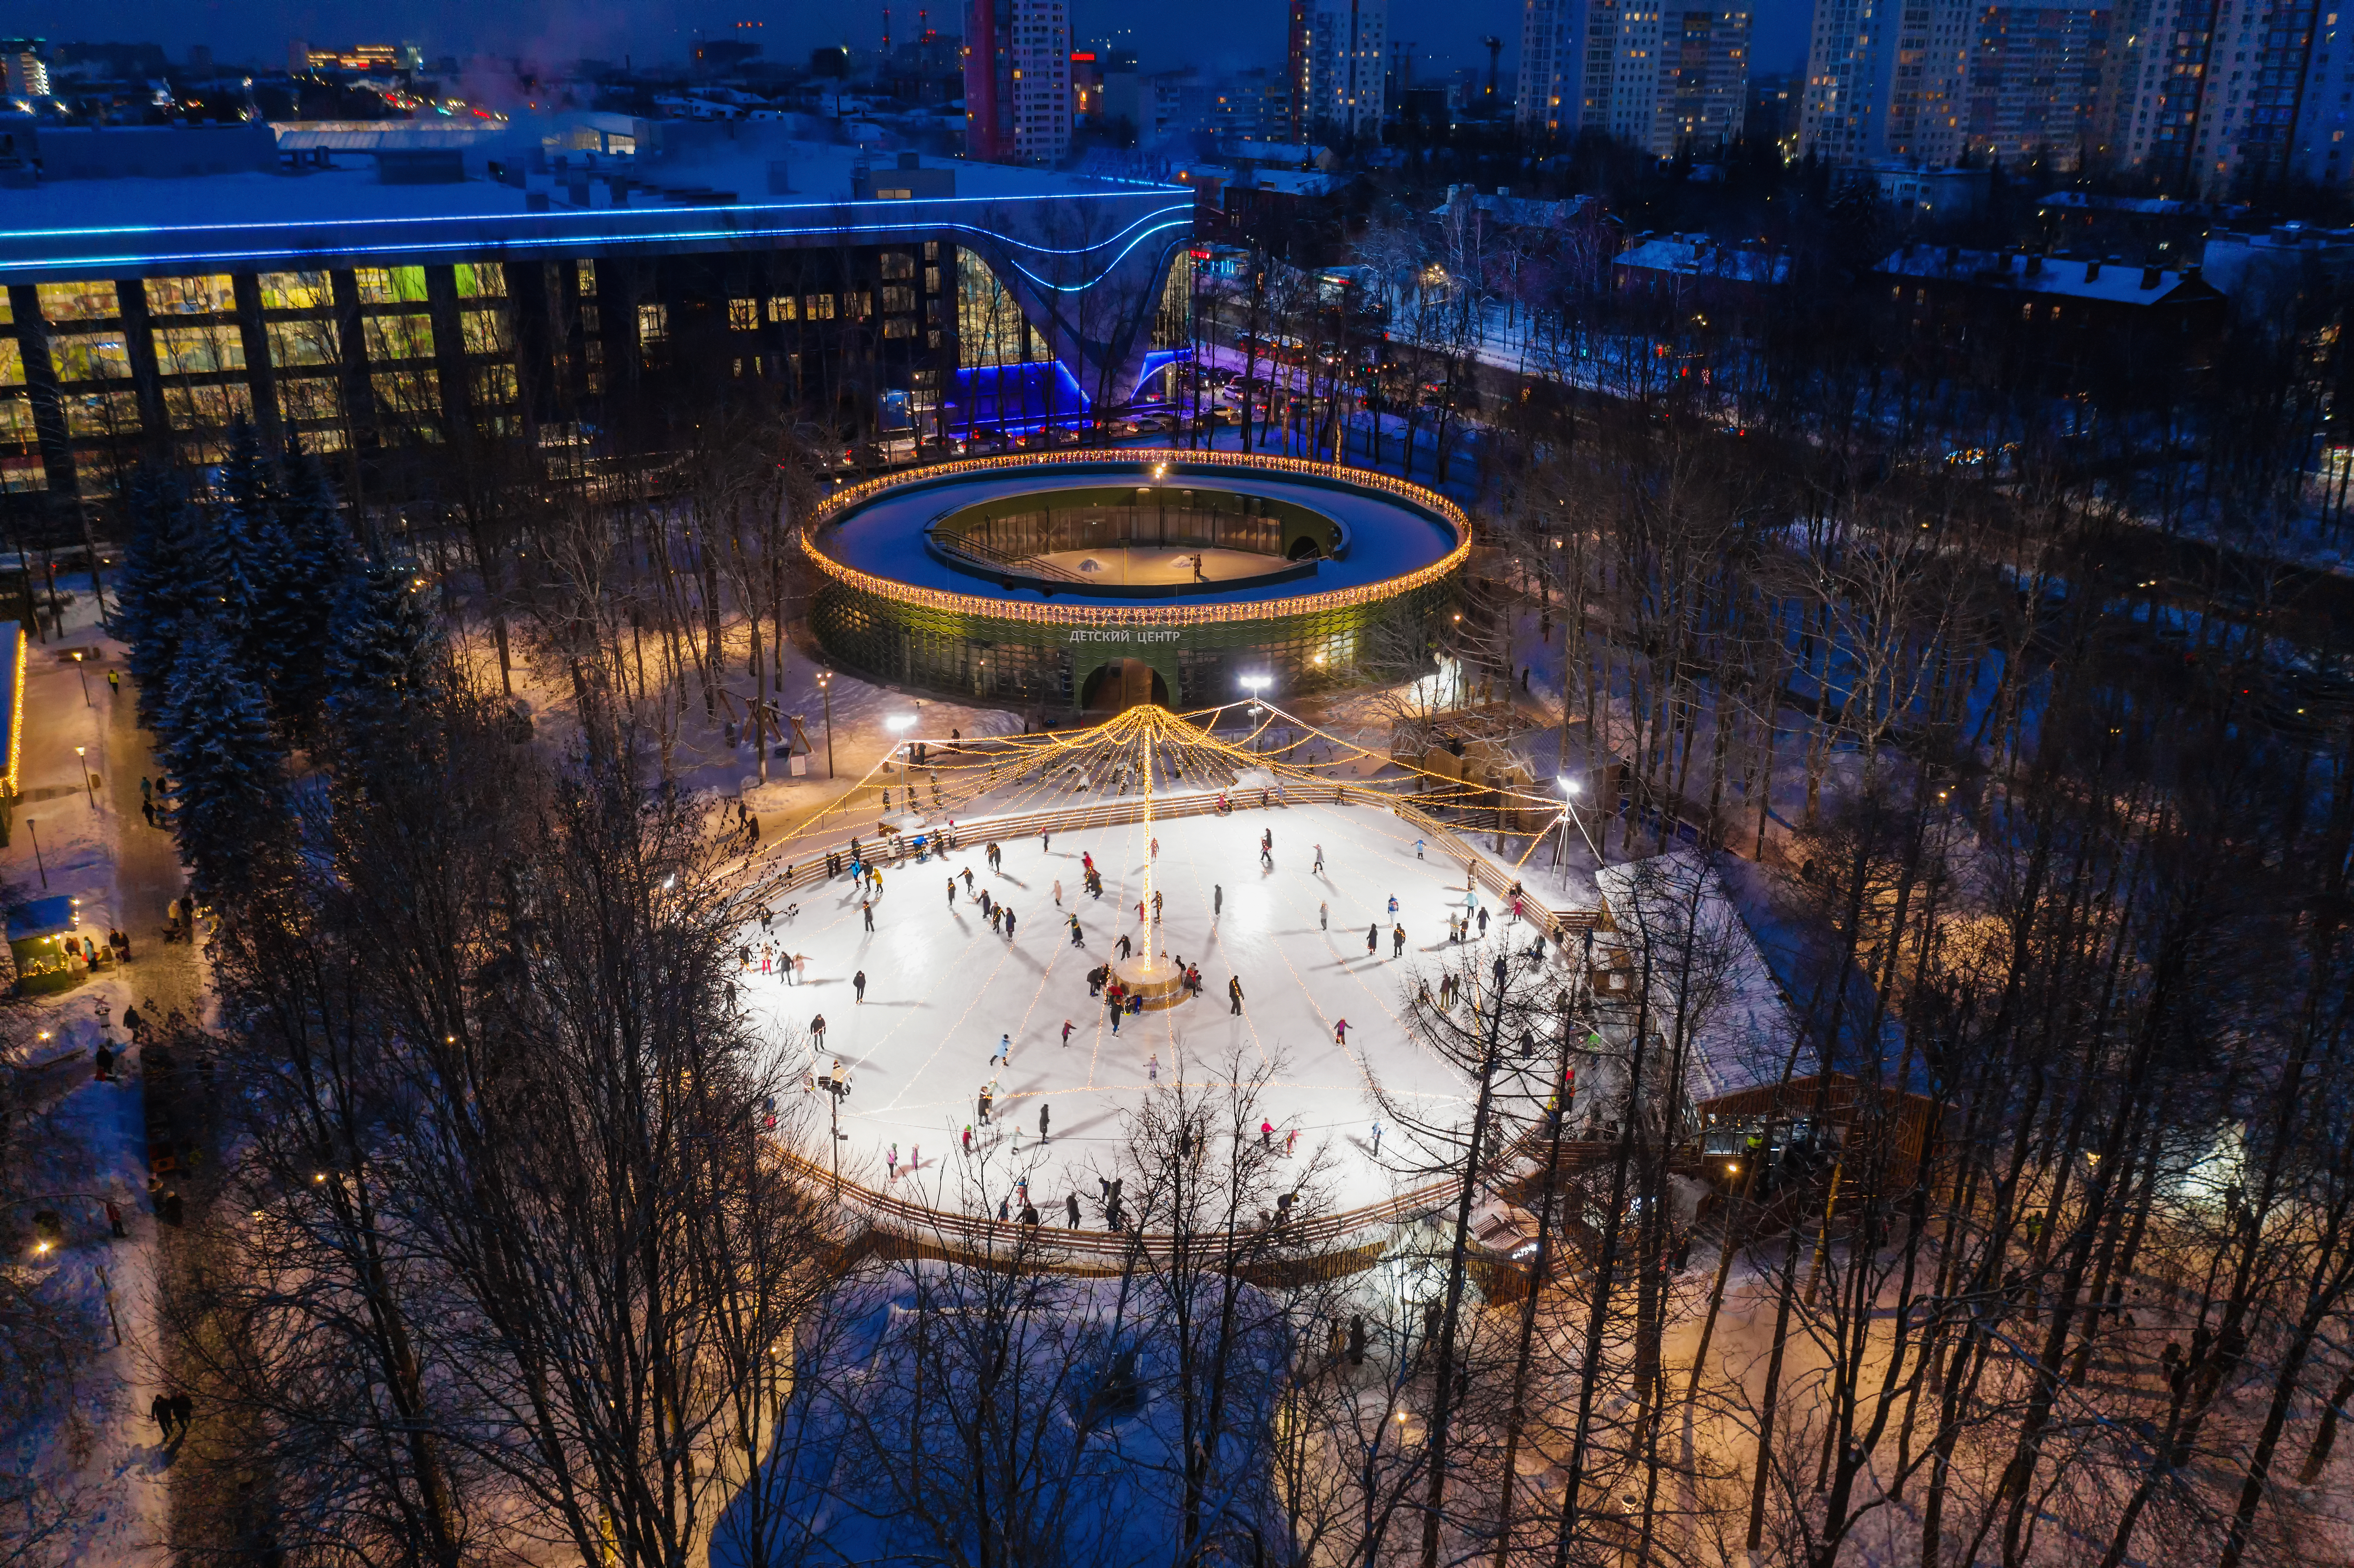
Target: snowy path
[{"x": 942, "y": 988}]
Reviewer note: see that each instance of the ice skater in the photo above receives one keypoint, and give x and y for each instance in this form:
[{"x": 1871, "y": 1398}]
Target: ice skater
[
  {"x": 1417, "y": 849},
  {"x": 1323, "y": 915},
  {"x": 1058, "y": 893},
  {"x": 1004, "y": 1051},
  {"x": 1235, "y": 994},
  {"x": 1067, "y": 1033},
  {"x": 1372, "y": 940},
  {"x": 1152, "y": 1068},
  {"x": 1377, "y": 1140},
  {"x": 891, "y": 1163},
  {"x": 1340, "y": 1033},
  {"x": 858, "y": 984},
  {"x": 1319, "y": 857},
  {"x": 1078, "y": 937}
]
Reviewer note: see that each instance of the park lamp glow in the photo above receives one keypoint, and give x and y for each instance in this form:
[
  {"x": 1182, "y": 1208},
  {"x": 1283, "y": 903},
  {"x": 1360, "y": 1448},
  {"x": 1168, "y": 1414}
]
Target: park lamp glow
[{"x": 899, "y": 724}]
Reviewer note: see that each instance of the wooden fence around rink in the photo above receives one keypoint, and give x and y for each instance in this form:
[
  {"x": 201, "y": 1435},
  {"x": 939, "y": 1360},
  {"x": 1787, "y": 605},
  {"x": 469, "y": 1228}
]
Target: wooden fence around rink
[
  {"x": 1557, "y": 922},
  {"x": 1327, "y": 1246}
]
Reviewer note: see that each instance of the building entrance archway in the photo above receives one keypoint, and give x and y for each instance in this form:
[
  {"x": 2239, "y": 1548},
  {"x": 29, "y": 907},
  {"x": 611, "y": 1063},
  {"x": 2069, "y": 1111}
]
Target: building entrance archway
[{"x": 1122, "y": 683}]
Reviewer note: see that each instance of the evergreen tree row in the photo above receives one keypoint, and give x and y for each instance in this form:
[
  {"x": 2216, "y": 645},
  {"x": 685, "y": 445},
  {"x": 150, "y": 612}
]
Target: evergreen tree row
[{"x": 261, "y": 621}]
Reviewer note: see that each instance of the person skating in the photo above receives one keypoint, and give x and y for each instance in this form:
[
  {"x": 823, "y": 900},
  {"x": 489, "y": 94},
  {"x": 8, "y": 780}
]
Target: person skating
[
  {"x": 1377, "y": 1139},
  {"x": 1372, "y": 940},
  {"x": 1323, "y": 915},
  {"x": 1008, "y": 921},
  {"x": 1265, "y": 1133},
  {"x": 1067, "y": 1033},
  {"x": 1234, "y": 993},
  {"x": 987, "y": 1094},
  {"x": 817, "y": 1031},
  {"x": 1071, "y": 1207},
  {"x": 1156, "y": 906},
  {"x": 1397, "y": 941},
  {"x": 867, "y": 909},
  {"x": 1484, "y": 925},
  {"x": 1042, "y": 1111},
  {"x": 1340, "y": 1033},
  {"x": 1319, "y": 857},
  {"x": 1058, "y": 893},
  {"x": 1078, "y": 937},
  {"x": 1217, "y": 899},
  {"x": 1394, "y": 907},
  {"x": 968, "y": 1137},
  {"x": 891, "y": 1163},
  {"x": 1004, "y": 1051},
  {"x": 992, "y": 919},
  {"x": 951, "y": 893},
  {"x": 966, "y": 873},
  {"x": 858, "y": 984},
  {"x": 1152, "y": 1068}
]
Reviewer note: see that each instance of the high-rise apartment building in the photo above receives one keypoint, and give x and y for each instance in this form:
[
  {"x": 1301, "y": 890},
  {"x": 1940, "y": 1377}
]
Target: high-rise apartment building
[
  {"x": 1929, "y": 80},
  {"x": 1337, "y": 69},
  {"x": 1654, "y": 76},
  {"x": 2223, "y": 97},
  {"x": 23, "y": 71},
  {"x": 1017, "y": 80}
]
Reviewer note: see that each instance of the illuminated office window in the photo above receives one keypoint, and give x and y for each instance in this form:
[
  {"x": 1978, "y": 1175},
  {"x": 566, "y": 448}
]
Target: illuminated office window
[
  {"x": 897, "y": 299},
  {"x": 198, "y": 351},
  {"x": 487, "y": 331},
  {"x": 90, "y": 357},
  {"x": 585, "y": 275},
  {"x": 100, "y": 413},
  {"x": 654, "y": 324},
  {"x": 303, "y": 342},
  {"x": 398, "y": 337},
  {"x": 206, "y": 408},
  {"x": 208, "y": 295},
  {"x": 90, "y": 299},
  {"x": 482, "y": 281},
  {"x": 12, "y": 362},
  {"x": 16, "y": 422},
  {"x": 784, "y": 308},
  {"x": 494, "y": 384},
  {"x": 817, "y": 307},
  {"x": 301, "y": 397},
  {"x": 898, "y": 265},
  {"x": 391, "y": 285},
  {"x": 296, "y": 292}
]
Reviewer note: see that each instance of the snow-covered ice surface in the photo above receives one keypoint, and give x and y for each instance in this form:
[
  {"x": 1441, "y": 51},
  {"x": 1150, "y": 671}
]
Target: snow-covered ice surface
[{"x": 942, "y": 988}]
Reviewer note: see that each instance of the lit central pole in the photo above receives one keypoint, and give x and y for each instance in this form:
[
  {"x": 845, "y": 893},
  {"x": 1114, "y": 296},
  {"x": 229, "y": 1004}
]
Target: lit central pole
[{"x": 1149, "y": 856}]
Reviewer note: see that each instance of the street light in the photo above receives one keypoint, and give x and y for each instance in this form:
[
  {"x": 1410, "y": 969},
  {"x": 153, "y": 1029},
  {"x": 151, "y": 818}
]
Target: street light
[
  {"x": 825, "y": 689},
  {"x": 84, "y": 674},
  {"x": 1254, "y": 684},
  {"x": 82, "y": 757}
]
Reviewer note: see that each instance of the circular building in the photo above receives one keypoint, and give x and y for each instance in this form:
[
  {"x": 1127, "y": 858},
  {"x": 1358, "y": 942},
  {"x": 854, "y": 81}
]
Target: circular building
[{"x": 1090, "y": 581}]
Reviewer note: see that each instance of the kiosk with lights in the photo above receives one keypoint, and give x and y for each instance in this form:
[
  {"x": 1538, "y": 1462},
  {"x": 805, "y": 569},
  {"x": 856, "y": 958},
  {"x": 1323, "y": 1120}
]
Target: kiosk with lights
[{"x": 1083, "y": 582}]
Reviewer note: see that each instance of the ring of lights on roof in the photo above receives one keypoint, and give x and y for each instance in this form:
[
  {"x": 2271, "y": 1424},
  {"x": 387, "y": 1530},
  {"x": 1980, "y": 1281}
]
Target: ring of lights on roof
[{"x": 1031, "y": 581}]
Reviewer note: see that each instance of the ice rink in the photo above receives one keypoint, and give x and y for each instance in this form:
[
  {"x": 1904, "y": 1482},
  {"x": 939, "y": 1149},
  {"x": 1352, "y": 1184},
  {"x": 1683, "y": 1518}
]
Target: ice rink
[{"x": 942, "y": 988}]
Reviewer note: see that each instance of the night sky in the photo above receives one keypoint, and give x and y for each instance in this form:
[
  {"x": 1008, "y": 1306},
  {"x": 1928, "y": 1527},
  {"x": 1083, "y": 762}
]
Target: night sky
[{"x": 1198, "y": 32}]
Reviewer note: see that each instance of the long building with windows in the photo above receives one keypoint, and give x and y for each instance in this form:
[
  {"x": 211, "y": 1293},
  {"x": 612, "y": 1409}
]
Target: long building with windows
[{"x": 558, "y": 308}]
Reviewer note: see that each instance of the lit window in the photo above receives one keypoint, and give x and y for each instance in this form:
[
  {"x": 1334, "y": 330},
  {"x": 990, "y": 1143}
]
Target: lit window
[
  {"x": 784, "y": 308},
  {"x": 898, "y": 326},
  {"x": 199, "y": 406},
  {"x": 398, "y": 337},
  {"x": 585, "y": 275},
  {"x": 310, "y": 397},
  {"x": 91, "y": 299},
  {"x": 482, "y": 281},
  {"x": 898, "y": 265},
  {"x": 210, "y": 295},
  {"x": 486, "y": 331},
  {"x": 391, "y": 285},
  {"x": 19, "y": 474},
  {"x": 100, "y": 413},
  {"x": 654, "y": 324},
  {"x": 897, "y": 298},
  {"x": 198, "y": 351},
  {"x": 91, "y": 356},
  {"x": 742, "y": 315},
  {"x": 818, "y": 307},
  {"x": 17, "y": 421},
  {"x": 296, "y": 292},
  {"x": 494, "y": 384},
  {"x": 406, "y": 392},
  {"x": 12, "y": 362},
  {"x": 303, "y": 342}
]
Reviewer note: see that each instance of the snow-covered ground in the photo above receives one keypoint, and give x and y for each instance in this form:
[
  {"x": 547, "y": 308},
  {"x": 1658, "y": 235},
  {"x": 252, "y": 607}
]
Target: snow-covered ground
[{"x": 942, "y": 988}]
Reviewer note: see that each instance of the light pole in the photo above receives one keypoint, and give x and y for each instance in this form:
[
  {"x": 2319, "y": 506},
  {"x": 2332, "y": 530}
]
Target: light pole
[
  {"x": 80, "y": 669},
  {"x": 1570, "y": 788},
  {"x": 81, "y": 760},
  {"x": 34, "y": 829},
  {"x": 899, "y": 725},
  {"x": 1254, "y": 684},
  {"x": 825, "y": 689}
]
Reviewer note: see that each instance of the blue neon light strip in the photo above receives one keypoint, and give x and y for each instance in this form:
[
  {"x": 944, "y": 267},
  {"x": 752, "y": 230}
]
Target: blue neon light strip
[
  {"x": 606, "y": 214},
  {"x": 476, "y": 246}
]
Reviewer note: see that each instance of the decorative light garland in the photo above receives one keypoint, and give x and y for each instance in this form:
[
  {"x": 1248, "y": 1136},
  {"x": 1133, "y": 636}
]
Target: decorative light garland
[{"x": 836, "y": 505}]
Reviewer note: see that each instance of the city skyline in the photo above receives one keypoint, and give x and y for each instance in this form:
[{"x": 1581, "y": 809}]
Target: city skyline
[{"x": 1246, "y": 32}]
